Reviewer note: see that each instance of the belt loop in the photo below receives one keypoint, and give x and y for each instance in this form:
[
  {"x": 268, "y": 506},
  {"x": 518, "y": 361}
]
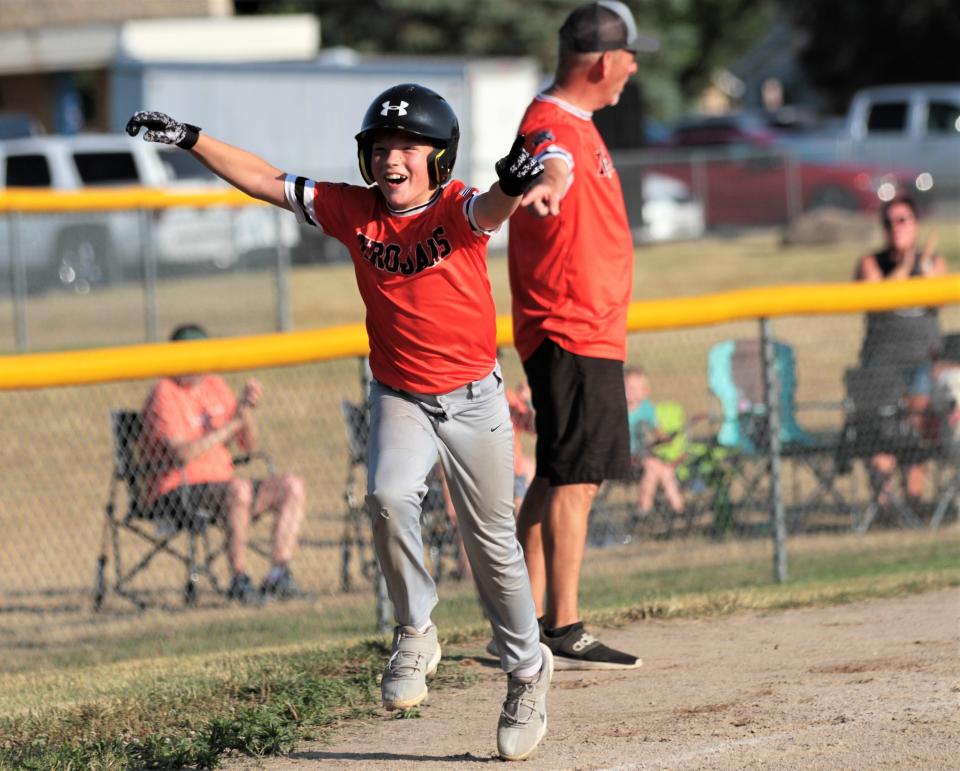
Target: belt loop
[{"x": 470, "y": 390}]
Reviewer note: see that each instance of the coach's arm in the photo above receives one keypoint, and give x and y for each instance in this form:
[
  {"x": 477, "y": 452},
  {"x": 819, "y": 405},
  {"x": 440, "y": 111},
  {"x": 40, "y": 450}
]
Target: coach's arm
[
  {"x": 517, "y": 171},
  {"x": 543, "y": 199}
]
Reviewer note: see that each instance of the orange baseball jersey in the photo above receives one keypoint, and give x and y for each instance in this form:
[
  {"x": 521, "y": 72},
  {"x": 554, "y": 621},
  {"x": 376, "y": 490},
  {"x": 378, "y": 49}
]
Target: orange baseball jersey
[
  {"x": 571, "y": 276},
  {"x": 179, "y": 412},
  {"x": 422, "y": 274}
]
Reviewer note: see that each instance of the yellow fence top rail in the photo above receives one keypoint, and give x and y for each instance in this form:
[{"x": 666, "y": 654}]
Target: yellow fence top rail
[
  {"x": 136, "y": 362},
  {"x": 36, "y": 200},
  {"x": 791, "y": 300}
]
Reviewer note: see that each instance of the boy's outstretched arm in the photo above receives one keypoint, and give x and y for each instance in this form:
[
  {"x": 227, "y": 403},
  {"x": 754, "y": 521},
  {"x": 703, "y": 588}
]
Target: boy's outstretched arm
[
  {"x": 242, "y": 169},
  {"x": 516, "y": 171}
]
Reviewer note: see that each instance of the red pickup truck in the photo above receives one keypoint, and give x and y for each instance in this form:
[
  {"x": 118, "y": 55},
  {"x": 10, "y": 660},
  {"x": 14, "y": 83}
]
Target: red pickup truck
[{"x": 743, "y": 175}]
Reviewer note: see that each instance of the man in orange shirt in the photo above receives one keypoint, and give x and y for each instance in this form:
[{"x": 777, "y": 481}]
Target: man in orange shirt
[
  {"x": 571, "y": 275},
  {"x": 188, "y": 423}
]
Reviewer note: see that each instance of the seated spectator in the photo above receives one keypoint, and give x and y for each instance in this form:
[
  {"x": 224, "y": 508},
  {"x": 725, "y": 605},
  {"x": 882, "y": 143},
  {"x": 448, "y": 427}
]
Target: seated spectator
[
  {"x": 905, "y": 338},
  {"x": 189, "y": 422},
  {"x": 645, "y": 436}
]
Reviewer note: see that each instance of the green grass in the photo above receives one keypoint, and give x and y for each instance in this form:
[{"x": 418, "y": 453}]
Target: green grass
[
  {"x": 179, "y": 711},
  {"x": 326, "y": 295},
  {"x": 105, "y": 699}
]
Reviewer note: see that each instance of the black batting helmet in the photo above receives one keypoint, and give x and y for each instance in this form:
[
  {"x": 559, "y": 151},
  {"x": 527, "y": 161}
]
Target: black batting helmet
[{"x": 417, "y": 110}]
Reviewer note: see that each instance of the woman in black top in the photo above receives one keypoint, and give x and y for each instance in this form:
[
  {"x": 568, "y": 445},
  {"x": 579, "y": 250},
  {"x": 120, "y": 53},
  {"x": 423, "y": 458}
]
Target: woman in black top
[{"x": 906, "y": 338}]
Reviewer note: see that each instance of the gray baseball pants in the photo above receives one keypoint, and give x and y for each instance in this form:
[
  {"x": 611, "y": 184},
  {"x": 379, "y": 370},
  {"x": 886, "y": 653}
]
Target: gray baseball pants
[{"x": 469, "y": 429}]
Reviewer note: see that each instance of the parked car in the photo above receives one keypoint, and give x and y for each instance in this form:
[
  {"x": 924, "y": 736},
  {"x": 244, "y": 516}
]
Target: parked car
[
  {"x": 712, "y": 130},
  {"x": 916, "y": 123},
  {"x": 82, "y": 250},
  {"x": 744, "y": 175},
  {"x": 669, "y": 212}
]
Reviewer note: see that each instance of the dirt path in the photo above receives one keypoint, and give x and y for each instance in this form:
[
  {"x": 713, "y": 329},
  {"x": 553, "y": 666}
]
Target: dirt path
[{"x": 863, "y": 686}]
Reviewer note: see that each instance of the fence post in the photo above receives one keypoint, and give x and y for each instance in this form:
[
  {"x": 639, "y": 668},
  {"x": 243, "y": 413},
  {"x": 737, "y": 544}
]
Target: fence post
[
  {"x": 18, "y": 283},
  {"x": 283, "y": 273},
  {"x": 771, "y": 396},
  {"x": 149, "y": 264}
]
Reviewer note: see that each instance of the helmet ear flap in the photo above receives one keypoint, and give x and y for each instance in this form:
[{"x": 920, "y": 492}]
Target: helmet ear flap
[
  {"x": 435, "y": 166},
  {"x": 365, "y": 157},
  {"x": 440, "y": 162}
]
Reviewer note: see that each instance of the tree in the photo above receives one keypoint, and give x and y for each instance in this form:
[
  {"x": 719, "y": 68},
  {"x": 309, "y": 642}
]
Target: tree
[
  {"x": 861, "y": 43},
  {"x": 697, "y": 36}
]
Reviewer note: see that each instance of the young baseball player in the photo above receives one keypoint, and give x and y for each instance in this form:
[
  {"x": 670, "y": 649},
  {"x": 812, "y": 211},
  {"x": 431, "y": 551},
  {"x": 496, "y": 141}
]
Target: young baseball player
[{"x": 418, "y": 243}]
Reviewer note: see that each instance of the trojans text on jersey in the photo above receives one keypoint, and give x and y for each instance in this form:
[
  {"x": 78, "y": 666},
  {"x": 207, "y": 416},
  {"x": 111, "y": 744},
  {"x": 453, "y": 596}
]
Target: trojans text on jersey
[{"x": 395, "y": 258}]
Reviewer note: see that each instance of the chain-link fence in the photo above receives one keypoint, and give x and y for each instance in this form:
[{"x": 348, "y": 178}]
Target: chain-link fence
[
  {"x": 687, "y": 193},
  {"x": 153, "y": 251},
  {"x": 855, "y": 450},
  {"x": 164, "y": 255}
]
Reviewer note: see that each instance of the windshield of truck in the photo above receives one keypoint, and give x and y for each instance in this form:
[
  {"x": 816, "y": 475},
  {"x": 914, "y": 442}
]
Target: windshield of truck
[
  {"x": 943, "y": 118},
  {"x": 27, "y": 171},
  {"x": 888, "y": 116}
]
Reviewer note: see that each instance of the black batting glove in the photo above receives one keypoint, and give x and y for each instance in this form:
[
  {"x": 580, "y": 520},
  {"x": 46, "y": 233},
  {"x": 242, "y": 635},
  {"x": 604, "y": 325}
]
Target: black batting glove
[
  {"x": 163, "y": 129},
  {"x": 518, "y": 169}
]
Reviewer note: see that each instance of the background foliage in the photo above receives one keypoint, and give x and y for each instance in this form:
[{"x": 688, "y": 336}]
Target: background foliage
[
  {"x": 842, "y": 46},
  {"x": 871, "y": 42},
  {"x": 697, "y": 36}
]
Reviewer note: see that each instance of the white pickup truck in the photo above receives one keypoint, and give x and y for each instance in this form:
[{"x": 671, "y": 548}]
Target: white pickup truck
[
  {"x": 82, "y": 250},
  {"x": 914, "y": 125}
]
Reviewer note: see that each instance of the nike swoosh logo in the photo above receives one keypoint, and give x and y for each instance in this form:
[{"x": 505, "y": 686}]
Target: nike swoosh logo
[{"x": 496, "y": 427}]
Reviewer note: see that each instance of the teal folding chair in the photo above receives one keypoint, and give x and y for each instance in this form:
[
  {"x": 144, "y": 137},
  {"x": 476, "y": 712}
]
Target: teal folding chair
[{"x": 735, "y": 377}]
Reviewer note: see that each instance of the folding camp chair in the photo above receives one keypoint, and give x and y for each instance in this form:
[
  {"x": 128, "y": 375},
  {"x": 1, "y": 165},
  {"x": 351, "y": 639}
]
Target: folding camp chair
[
  {"x": 735, "y": 375},
  {"x": 702, "y": 477},
  {"x": 188, "y": 542},
  {"x": 690, "y": 461},
  {"x": 876, "y": 423}
]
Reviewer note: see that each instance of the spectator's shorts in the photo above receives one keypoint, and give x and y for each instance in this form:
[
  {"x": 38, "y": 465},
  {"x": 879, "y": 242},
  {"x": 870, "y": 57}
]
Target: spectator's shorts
[
  {"x": 919, "y": 379},
  {"x": 192, "y": 506},
  {"x": 581, "y": 416}
]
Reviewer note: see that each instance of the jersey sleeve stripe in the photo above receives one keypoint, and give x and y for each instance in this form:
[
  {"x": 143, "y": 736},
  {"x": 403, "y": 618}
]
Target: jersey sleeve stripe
[
  {"x": 301, "y": 193},
  {"x": 553, "y": 151},
  {"x": 468, "y": 212}
]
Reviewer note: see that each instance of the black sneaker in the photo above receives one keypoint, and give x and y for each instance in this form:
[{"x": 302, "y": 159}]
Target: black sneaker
[
  {"x": 282, "y": 588},
  {"x": 578, "y": 649},
  {"x": 241, "y": 589}
]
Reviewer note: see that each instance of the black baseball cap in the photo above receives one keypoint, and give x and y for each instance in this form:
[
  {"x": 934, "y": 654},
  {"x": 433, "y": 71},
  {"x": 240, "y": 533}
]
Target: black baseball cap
[{"x": 607, "y": 25}]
